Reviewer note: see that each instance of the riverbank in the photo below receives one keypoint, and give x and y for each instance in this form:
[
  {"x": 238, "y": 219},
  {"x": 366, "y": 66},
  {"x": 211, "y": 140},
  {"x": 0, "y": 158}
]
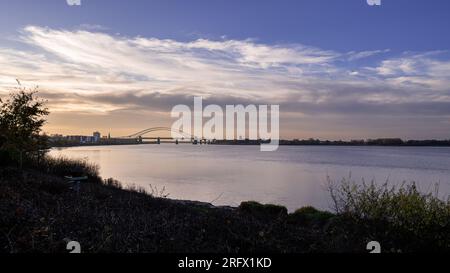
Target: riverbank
[{"x": 41, "y": 212}]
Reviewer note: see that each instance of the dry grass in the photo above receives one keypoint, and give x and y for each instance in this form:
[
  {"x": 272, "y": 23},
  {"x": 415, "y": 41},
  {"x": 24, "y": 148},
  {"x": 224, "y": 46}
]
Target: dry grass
[{"x": 63, "y": 166}]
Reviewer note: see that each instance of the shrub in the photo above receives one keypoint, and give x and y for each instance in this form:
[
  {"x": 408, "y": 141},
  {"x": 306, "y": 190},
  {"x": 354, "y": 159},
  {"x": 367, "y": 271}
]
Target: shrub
[
  {"x": 158, "y": 193},
  {"x": 310, "y": 215},
  {"x": 399, "y": 216},
  {"x": 260, "y": 210},
  {"x": 136, "y": 189}
]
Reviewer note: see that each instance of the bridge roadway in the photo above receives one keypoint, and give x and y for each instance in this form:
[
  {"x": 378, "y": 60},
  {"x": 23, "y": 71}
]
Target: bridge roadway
[{"x": 183, "y": 137}]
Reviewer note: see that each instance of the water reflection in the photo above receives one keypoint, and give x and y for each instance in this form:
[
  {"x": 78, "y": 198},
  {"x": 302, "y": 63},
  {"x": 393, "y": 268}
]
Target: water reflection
[{"x": 292, "y": 176}]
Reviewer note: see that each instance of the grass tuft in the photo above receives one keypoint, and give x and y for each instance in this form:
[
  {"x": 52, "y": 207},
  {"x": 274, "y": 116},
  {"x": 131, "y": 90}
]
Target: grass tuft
[{"x": 62, "y": 166}]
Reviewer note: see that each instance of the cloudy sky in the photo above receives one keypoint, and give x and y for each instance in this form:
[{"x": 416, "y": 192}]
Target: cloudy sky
[{"x": 338, "y": 69}]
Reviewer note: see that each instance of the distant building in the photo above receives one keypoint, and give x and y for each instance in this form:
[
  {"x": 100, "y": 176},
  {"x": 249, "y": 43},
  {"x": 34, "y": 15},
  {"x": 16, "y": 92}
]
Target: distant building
[
  {"x": 97, "y": 136},
  {"x": 95, "y": 139},
  {"x": 79, "y": 139}
]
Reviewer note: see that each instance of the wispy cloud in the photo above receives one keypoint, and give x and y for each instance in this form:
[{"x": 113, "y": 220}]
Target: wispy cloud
[
  {"x": 92, "y": 72},
  {"x": 365, "y": 54}
]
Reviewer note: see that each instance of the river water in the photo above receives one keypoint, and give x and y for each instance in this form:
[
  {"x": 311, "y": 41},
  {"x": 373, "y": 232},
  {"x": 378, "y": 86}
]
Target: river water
[{"x": 293, "y": 176}]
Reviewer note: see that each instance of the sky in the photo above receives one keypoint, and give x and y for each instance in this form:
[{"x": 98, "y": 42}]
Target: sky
[{"x": 339, "y": 69}]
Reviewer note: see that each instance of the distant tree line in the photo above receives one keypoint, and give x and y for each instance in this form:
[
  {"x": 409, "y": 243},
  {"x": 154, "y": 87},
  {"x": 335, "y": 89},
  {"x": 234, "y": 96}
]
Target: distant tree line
[
  {"x": 369, "y": 142},
  {"x": 317, "y": 142}
]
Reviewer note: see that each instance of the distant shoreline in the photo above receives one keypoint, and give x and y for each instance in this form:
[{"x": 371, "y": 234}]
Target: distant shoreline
[
  {"x": 243, "y": 143},
  {"x": 92, "y": 145}
]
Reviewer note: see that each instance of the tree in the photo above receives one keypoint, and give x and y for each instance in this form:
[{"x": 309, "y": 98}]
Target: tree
[{"x": 22, "y": 116}]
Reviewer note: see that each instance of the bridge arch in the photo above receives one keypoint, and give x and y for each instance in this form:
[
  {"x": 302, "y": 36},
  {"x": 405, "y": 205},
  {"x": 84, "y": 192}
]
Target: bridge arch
[{"x": 162, "y": 129}]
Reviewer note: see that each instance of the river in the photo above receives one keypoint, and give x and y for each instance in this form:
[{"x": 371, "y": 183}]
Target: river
[{"x": 293, "y": 176}]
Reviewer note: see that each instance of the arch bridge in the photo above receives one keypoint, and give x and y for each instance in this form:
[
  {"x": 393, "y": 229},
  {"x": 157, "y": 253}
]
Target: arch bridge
[{"x": 183, "y": 136}]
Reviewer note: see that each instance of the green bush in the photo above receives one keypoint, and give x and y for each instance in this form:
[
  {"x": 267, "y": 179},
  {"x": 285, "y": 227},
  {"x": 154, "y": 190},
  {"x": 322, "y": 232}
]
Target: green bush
[
  {"x": 310, "y": 215},
  {"x": 257, "y": 209},
  {"x": 397, "y": 216}
]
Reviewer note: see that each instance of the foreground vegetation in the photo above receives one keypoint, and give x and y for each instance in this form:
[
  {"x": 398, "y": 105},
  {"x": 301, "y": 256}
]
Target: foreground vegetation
[{"x": 40, "y": 212}]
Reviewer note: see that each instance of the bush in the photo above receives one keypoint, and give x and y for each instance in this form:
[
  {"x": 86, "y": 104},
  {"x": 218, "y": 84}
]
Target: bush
[
  {"x": 311, "y": 216},
  {"x": 260, "y": 210},
  {"x": 396, "y": 216}
]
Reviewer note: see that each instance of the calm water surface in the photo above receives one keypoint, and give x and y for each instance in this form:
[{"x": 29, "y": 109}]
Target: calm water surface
[{"x": 292, "y": 176}]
